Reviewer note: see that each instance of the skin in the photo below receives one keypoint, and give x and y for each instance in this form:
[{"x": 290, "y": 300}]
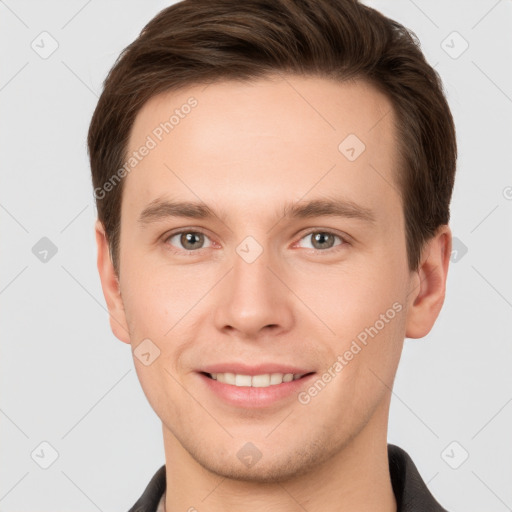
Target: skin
[{"x": 245, "y": 151}]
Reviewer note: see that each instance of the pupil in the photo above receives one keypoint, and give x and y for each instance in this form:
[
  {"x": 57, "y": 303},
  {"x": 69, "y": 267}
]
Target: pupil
[
  {"x": 321, "y": 238},
  {"x": 191, "y": 239}
]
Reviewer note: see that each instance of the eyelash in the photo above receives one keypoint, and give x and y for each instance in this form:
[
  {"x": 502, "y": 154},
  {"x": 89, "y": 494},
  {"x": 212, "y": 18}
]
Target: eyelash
[{"x": 330, "y": 250}]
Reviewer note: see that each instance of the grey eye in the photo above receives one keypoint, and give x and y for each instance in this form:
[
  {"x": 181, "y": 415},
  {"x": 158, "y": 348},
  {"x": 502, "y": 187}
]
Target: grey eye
[
  {"x": 188, "y": 240},
  {"x": 321, "y": 239}
]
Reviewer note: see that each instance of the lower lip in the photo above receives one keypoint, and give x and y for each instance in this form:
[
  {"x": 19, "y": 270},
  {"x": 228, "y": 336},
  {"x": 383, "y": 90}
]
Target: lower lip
[{"x": 249, "y": 397}]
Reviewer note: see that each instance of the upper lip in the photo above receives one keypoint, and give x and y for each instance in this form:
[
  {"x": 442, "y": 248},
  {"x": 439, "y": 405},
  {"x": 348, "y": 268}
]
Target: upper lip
[{"x": 260, "y": 369}]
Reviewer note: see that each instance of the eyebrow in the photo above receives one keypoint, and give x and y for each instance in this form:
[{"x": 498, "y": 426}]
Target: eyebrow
[{"x": 160, "y": 209}]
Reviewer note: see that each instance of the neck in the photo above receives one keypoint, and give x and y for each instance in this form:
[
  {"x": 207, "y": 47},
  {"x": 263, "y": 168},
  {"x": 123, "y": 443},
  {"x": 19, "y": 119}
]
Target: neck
[{"x": 357, "y": 478}]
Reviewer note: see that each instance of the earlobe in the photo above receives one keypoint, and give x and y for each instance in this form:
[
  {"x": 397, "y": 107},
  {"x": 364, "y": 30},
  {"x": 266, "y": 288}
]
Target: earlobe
[
  {"x": 110, "y": 286},
  {"x": 428, "y": 286}
]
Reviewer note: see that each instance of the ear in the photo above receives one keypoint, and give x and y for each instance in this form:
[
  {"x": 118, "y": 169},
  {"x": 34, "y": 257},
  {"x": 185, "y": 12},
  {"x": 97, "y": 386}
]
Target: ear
[
  {"x": 110, "y": 286},
  {"x": 429, "y": 284}
]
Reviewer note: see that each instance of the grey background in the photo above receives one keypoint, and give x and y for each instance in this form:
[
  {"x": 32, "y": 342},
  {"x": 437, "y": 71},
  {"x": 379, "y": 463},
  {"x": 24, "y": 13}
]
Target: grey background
[{"x": 68, "y": 382}]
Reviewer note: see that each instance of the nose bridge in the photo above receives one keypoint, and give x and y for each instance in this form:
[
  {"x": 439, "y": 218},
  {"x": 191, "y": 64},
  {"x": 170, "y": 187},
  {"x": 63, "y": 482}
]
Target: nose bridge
[
  {"x": 253, "y": 298},
  {"x": 250, "y": 271}
]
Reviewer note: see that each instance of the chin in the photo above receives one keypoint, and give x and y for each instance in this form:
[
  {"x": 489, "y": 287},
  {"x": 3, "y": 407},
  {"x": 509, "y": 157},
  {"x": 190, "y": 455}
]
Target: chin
[{"x": 271, "y": 468}]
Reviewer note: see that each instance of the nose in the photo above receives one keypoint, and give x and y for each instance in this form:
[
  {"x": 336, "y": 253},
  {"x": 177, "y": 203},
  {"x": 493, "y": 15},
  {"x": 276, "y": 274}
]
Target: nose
[{"x": 253, "y": 300}]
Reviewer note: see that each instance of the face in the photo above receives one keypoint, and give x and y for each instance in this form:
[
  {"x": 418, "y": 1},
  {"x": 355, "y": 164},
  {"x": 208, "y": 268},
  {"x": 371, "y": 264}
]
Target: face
[{"x": 292, "y": 261}]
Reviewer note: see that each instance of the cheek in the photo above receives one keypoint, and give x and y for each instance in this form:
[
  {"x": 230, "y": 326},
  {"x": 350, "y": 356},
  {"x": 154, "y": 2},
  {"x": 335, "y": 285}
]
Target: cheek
[
  {"x": 158, "y": 304},
  {"x": 365, "y": 307},
  {"x": 156, "y": 299},
  {"x": 351, "y": 297}
]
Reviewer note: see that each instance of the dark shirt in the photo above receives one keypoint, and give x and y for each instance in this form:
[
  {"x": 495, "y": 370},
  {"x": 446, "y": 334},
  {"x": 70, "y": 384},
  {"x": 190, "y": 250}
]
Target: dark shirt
[{"x": 411, "y": 493}]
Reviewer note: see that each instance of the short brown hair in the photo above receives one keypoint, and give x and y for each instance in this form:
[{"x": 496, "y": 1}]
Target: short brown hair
[{"x": 201, "y": 41}]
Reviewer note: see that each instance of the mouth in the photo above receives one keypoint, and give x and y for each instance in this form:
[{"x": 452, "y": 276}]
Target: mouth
[
  {"x": 263, "y": 380},
  {"x": 269, "y": 391},
  {"x": 268, "y": 385}
]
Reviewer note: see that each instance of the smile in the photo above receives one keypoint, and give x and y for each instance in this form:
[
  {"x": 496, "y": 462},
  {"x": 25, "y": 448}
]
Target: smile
[{"x": 256, "y": 381}]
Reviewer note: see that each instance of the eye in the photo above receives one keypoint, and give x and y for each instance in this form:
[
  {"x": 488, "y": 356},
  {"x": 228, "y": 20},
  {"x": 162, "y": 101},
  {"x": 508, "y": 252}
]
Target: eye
[
  {"x": 322, "y": 240},
  {"x": 188, "y": 240}
]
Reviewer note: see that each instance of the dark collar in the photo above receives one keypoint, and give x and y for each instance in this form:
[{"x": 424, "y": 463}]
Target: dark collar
[{"x": 411, "y": 493}]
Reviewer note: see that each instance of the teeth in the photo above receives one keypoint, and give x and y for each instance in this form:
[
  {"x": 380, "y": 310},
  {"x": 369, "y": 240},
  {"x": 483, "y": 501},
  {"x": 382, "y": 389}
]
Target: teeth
[
  {"x": 243, "y": 380},
  {"x": 260, "y": 381},
  {"x": 276, "y": 378},
  {"x": 255, "y": 381}
]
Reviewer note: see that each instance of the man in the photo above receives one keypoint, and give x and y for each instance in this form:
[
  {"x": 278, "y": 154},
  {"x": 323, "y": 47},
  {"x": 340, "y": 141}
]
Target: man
[{"x": 273, "y": 181}]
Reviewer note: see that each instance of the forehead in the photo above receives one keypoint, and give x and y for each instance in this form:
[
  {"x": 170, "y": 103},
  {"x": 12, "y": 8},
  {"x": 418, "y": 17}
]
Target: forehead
[{"x": 259, "y": 143}]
